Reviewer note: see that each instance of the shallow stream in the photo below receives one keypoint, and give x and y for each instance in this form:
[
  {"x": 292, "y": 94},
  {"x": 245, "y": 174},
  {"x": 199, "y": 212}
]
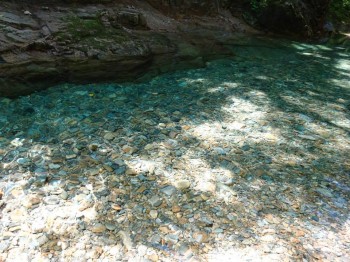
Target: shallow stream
[{"x": 249, "y": 158}]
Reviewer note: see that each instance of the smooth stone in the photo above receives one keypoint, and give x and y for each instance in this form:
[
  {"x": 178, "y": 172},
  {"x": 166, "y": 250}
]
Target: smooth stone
[
  {"x": 172, "y": 238},
  {"x": 85, "y": 204},
  {"x": 219, "y": 151},
  {"x": 315, "y": 218},
  {"x": 109, "y": 136},
  {"x": 200, "y": 237},
  {"x": 218, "y": 230},
  {"x": 98, "y": 228},
  {"x": 176, "y": 209},
  {"x": 183, "y": 184},
  {"x": 41, "y": 240},
  {"x": 51, "y": 200},
  {"x": 72, "y": 156},
  {"x": 153, "y": 214},
  {"x": 111, "y": 226},
  {"x": 155, "y": 201},
  {"x": 155, "y": 239},
  {"x": 168, "y": 190},
  {"x": 128, "y": 149},
  {"x": 131, "y": 172},
  {"x": 141, "y": 189},
  {"x": 93, "y": 147},
  {"x": 54, "y": 166},
  {"x": 267, "y": 178},
  {"x": 120, "y": 170},
  {"x": 64, "y": 195},
  {"x": 324, "y": 192},
  {"x": 153, "y": 257},
  {"x": 185, "y": 251},
  {"x": 23, "y": 161},
  {"x": 93, "y": 171},
  {"x": 31, "y": 201}
]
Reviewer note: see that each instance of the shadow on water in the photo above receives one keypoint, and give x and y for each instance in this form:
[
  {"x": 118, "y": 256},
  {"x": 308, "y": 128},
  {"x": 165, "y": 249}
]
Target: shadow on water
[{"x": 263, "y": 137}]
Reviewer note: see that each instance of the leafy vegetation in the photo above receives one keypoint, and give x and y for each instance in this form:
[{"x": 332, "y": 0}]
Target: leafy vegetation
[
  {"x": 257, "y": 5},
  {"x": 340, "y": 10},
  {"x": 301, "y": 17}
]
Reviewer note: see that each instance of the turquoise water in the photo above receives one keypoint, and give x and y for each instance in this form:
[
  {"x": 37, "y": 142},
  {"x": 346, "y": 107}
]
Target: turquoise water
[
  {"x": 263, "y": 132},
  {"x": 296, "y": 78}
]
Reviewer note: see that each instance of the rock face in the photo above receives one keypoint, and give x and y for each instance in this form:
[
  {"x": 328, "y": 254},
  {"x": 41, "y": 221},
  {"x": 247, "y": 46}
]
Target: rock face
[
  {"x": 44, "y": 45},
  {"x": 300, "y": 17}
]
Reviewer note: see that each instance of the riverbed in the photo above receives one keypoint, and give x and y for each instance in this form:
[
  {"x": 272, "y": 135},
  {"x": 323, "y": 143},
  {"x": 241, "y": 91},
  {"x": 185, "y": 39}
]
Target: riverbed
[{"x": 246, "y": 159}]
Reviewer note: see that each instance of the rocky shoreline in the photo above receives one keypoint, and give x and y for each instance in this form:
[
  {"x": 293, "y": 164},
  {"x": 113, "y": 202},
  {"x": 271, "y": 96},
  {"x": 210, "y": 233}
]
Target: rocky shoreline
[{"x": 45, "y": 45}]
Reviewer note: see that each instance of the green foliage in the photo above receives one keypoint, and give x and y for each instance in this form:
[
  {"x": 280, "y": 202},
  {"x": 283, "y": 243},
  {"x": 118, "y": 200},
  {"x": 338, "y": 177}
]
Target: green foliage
[
  {"x": 340, "y": 10},
  {"x": 258, "y": 5}
]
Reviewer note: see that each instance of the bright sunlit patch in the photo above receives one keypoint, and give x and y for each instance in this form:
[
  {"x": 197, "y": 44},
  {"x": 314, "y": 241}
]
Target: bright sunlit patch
[
  {"x": 345, "y": 123},
  {"x": 343, "y": 55},
  {"x": 344, "y": 65},
  {"x": 323, "y": 48},
  {"x": 208, "y": 131},
  {"x": 230, "y": 84},
  {"x": 316, "y": 55},
  {"x": 343, "y": 83},
  {"x": 205, "y": 182},
  {"x": 262, "y": 77},
  {"x": 17, "y": 142},
  {"x": 301, "y": 46},
  {"x": 216, "y": 89},
  {"x": 292, "y": 99},
  {"x": 242, "y": 254}
]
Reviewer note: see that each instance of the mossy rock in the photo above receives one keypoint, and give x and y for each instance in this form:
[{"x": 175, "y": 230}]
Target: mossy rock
[{"x": 89, "y": 31}]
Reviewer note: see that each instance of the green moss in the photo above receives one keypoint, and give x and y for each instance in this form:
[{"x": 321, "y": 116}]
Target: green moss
[
  {"x": 90, "y": 32},
  {"x": 81, "y": 28}
]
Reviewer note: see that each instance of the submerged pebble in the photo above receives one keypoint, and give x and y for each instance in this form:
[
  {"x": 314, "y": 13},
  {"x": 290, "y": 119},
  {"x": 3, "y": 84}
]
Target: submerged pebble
[{"x": 248, "y": 155}]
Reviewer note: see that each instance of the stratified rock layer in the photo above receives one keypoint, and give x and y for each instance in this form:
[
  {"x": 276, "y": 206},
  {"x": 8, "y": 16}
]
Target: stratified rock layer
[{"x": 41, "y": 46}]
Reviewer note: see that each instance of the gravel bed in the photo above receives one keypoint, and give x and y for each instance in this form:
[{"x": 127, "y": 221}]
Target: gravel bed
[{"x": 247, "y": 159}]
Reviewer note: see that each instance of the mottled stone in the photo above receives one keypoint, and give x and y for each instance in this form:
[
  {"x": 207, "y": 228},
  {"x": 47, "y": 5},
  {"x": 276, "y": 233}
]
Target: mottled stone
[
  {"x": 155, "y": 201},
  {"x": 98, "y": 228}
]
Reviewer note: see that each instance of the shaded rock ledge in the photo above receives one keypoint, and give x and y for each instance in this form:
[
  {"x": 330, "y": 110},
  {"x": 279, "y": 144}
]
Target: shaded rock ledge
[{"x": 41, "y": 45}]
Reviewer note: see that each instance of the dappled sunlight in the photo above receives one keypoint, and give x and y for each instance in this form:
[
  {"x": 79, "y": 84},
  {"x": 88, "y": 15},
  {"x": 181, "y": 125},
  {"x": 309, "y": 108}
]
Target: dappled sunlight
[
  {"x": 315, "y": 54},
  {"x": 244, "y": 159},
  {"x": 343, "y": 65},
  {"x": 343, "y": 83},
  {"x": 207, "y": 131},
  {"x": 345, "y": 123},
  {"x": 304, "y": 46},
  {"x": 255, "y": 253}
]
